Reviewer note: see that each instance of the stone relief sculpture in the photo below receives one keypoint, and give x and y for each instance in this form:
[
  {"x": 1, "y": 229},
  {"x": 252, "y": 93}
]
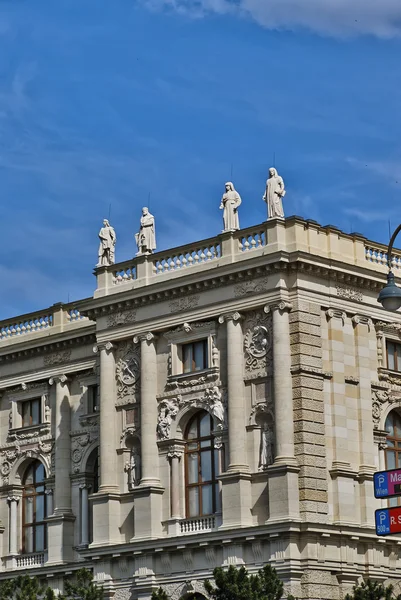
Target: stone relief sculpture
[
  {"x": 168, "y": 409},
  {"x": 266, "y": 447},
  {"x": 258, "y": 344},
  {"x": 274, "y": 195},
  {"x": 146, "y": 237},
  {"x": 107, "y": 245},
  {"x": 230, "y": 202},
  {"x": 128, "y": 371},
  {"x": 213, "y": 395}
]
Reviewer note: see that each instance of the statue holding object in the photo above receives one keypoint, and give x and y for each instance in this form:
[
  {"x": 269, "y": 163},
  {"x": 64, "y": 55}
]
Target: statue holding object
[
  {"x": 107, "y": 245},
  {"x": 230, "y": 202},
  {"x": 146, "y": 237}
]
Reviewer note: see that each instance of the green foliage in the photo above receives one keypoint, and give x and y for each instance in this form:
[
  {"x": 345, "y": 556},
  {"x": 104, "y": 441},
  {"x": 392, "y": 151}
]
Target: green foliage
[
  {"x": 237, "y": 584},
  {"x": 82, "y": 587},
  {"x": 24, "y": 587},
  {"x": 372, "y": 590},
  {"x": 159, "y": 594}
]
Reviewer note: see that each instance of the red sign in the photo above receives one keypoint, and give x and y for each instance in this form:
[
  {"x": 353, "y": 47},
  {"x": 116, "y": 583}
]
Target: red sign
[{"x": 388, "y": 520}]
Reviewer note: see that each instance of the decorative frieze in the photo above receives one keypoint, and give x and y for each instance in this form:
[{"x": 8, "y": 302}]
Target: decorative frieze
[
  {"x": 258, "y": 345},
  {"x": 349, "y": 293},
  {"x": 121, "y": 318},
  {"x": 185, "y": 303},
  {"x": 57, "y": 358},
  {"x": 257, "y": 286}
]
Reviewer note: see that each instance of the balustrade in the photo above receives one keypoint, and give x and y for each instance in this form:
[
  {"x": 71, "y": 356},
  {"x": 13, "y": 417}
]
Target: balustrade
[
  {"x": 197, "y": 525},
  {"x": 73, "y": 316},
  {"x": 252, "y": 240},
  {"x": 187, "y": 256},
  {"x": 378, "y": 255},
  {"x": 37, "y": 322},
  {"x": 125, "y": 273},
  {"x": 30, "y": 561}
]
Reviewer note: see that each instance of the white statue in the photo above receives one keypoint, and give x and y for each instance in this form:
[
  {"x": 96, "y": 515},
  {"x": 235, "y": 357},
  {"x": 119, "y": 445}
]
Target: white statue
[
  {"x": 146, "y": 237},
  {"x": 133, "y": 469},
  {"x": 266, "y": 447},
  {"x": 213, "y": 395},
  {"x": 107, "y": 245},
  {"x": 230, "y": 203},
  {"x": 274, "y": 195}
]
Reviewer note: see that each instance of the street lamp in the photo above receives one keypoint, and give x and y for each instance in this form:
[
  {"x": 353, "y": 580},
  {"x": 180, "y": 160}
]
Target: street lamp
[{"x": 390, "y": 295}]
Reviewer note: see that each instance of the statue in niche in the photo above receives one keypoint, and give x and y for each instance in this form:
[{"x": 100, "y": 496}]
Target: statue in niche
[
  {"x": 107, "y": 245},
  {"x": 146, "y": 237},
  {"x": 274, "y": 195},
  {"x": 230, "y": 202},
  {"x": 266, "y": 447},
  {"x": 133, "y": 468},
  {"x": 216, "y": 406}
]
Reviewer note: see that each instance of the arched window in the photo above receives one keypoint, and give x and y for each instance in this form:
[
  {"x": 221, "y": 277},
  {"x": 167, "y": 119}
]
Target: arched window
[
  {"x": 202, "y": 495},
  {"x": 393, "y": 450},
  {"x": 34, "y": 536}
]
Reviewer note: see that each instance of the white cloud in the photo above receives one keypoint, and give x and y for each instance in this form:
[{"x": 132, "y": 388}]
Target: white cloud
[{"x": 381, "y": 18}]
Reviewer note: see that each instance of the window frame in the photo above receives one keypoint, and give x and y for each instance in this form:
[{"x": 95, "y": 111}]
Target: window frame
[
  {"x": 31, "y": 402},
  {"x": 190, "y": 335},
  {"x": 397, "y": 347},
  {"x": 17, "y": 399},
  {"x": 192, "y": 347},
  {"x": 34, "y": 524},
  {"x": 214, "y": 458}
]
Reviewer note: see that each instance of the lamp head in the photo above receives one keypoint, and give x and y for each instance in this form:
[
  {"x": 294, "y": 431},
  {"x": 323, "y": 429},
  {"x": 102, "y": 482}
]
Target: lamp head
[{"x": 390, "y": 295}]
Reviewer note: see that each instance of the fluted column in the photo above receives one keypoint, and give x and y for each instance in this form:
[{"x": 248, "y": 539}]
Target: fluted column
[
  {"x": 62, "y": 489},
  {"x": 283, "y": 404},
  {"x": 108, "y": 454},
  {"x": 84, "y": 514},
  {"x": 13, "y": 502},
  {"x": 149, "y": 450},
  {"x": 236, "y": 395}
]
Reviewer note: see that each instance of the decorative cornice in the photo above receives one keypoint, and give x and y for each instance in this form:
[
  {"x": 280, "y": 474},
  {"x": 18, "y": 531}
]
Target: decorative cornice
[{"x": 42, "y": 350}]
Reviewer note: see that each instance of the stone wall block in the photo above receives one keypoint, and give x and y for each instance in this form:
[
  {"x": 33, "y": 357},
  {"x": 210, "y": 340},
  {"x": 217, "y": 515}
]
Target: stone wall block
[
  {"x": 305, "y": 437},
  {"x": 308, "y": 398},
  {"x": 308, "y": 426},
  {"x": 308, "y": 471},
  {"x": 312, "y": 383},
  {"x": 304, "y": 338},
  {"x": 305, "y": 318},
  {"x": 311, "y": 449},
  {"x": 307, "y": 350},
  {"x": 308, "y": 416},
  {"x": 312, "y": 483},
  {"x": 316, "y": 495}
]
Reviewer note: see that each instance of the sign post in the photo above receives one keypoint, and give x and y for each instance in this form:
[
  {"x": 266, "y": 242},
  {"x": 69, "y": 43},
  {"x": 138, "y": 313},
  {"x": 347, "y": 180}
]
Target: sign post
[
  {"x": 387, "y": 484},
  {"x": 388, "y": 520}
]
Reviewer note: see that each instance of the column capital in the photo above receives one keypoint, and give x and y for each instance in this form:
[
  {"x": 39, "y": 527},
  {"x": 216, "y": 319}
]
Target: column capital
[
  {"x": 62, "y": 379},
  {"x": 230, "y": 316},
  {"x": 11, "y": 499},
  {"x": 175, "y": 452},
  {"x": 281, "y": 306},
  {"x": 84, "y": 486},
  {"x": 146, "y": 336},
  {"x": 107, "y": 346},
  {"x": 49, "y": 492}
]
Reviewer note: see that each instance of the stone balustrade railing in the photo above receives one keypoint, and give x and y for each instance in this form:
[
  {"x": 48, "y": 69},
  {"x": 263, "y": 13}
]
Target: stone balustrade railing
[
  {"x": 186, "y": 256},
  {"x": 30, "y": 561},
  {"x": 377, "y": 255},
  {"x": 197, "y": 525},
  {"x": 55, "y": 318}
]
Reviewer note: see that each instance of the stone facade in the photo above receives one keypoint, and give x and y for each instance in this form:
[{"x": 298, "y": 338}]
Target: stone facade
[{"x": 274, "y": 337}]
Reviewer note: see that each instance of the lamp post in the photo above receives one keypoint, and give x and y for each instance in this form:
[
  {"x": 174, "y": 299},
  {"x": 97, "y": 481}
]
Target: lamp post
[{"x": 390, "y": 295}]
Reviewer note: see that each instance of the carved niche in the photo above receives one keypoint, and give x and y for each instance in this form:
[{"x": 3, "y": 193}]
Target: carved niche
[
  {"x": 128, "y": 371},
  {"x": 262, "y": 416},
  {"x": 258, "y": 346},
  {"x": 79, "y": 444}
]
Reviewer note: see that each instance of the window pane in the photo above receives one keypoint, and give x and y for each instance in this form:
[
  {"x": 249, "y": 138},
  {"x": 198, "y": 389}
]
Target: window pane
[
  {"x": 193, "y": 502},
  {"x": 39, "y": 473},
  {"x": 40, "y": 508},
  {"x": 207, "y": 499},
  {"x": 390, "y": 444},
  {"x": 390, "y": 456},
  {"x": 193, "y": 430},
  {"x": 217, "y": 495},
  {"x": 397, "y": 425},
  {"x": 206, "y": 465},
  {"x": 29, "y": 510},
  {"x": 35, "y": 411},
  {"x": 389, "y": 426},
  {"x": 40, "y": 538},
  {"x": 216, "y": 463},
  {"x": 26, "y": 414},
  {"x": 199, "y": 356},
  {"x": 390, "y": 356},
  {"x": 205, "y": 426},
  {"x": 187, "y": 357},
  {"x": 29, "y": 476},
  {"x": 193, "y": 468},
  {"x": 28, "y": 545}
]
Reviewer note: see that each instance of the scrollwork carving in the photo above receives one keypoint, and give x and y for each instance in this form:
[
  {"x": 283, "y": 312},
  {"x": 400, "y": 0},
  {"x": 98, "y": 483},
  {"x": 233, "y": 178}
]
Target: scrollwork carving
[
  {"x": 379, "y": 397},
  {"x": 57, "y": 358},
  {"x": 128, "y": 371},
  {"x": 258, "y": 344},
  {"x": 121, "y": 318}
]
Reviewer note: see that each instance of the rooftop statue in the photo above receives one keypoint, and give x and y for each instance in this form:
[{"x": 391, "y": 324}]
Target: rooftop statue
[
  {"x": 274, "y": 195},
  {"x": 146, "y": 237},
  {"x": 229, "y": 204},
  {"x": 107, "y": 245}
]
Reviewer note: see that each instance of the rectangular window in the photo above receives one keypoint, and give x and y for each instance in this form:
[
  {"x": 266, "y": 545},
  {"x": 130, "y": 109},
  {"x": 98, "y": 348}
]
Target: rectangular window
[
  {"x": 31, "y": 412},
  {"x": 393, "y": 356},
  {"x": 195, "y": 356},
  {"x": 93, "y": 399}
]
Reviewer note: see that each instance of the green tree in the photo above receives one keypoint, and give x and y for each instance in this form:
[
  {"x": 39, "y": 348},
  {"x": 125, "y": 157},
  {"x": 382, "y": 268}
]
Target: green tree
[
  {"x": 82, "y": 587},
  {"x": 159, "y": 594},
  {"x": 372, "y": 590},
  {"x": 237, "y": 584},
  {"x": 24, "y": 587}
]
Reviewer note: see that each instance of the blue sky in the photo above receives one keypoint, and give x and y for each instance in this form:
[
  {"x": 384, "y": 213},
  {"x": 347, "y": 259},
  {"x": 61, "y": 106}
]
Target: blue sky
[{"x": 109, "y": 102}]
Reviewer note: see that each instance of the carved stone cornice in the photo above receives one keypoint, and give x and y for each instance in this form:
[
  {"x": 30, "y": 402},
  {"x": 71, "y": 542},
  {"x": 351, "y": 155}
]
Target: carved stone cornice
[
  {"x": 281, "y": 306},
  {"x": 11, "y": 353},
  {"x": 230, "y": 316},
  {"x": 390, "y": 329}
]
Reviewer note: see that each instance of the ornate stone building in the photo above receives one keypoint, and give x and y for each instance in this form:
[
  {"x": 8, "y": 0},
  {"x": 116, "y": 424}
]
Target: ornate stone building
[{"x": 222, "y": 403}]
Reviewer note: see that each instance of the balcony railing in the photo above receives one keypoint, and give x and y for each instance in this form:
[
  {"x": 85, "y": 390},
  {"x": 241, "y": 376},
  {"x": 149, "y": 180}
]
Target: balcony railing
[
  {"x": 30, "y": 561},
  {"x": 197, "y": 525}
]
